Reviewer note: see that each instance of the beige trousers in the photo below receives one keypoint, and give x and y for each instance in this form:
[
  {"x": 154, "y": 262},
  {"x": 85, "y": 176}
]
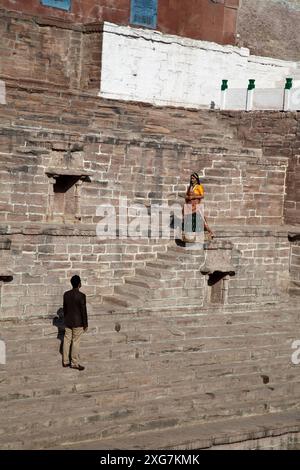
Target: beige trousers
[{"x": 72, "y": 335}]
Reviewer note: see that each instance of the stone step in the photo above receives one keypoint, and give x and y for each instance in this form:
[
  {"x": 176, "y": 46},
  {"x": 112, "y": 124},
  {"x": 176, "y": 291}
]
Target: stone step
[
  {"x": 184, "y": 380},
  {"x": 235, "y": 313},
  {"x": 250, "y": 433},
  {"x": 203, "y": 315},
  {"x": 230, "y": 389},
  {"x": 192, "y": 379},
  {"x": 231, "y": 321},
  {"x": 170, "y": 282},
  {"x": 169, "y": 266},
  {"x": 187, "y": 251},
  {"x": 161, "y": 333},
  {"x": 175, "y": 302},
  {"x": 134, "y": 291},
  {"x": 213, "y": 347},
  {"x": 203, "y": 351},
  {"x": 161, "y": 270},
  {"x": 143, "y": 282},
  {"x": 196, "y": 435},
  {"x": 180, "y": 255},
  {"x": 202, "y": 402},
  {"x": 112, "y": 422},
  {"x": 167, "y": 256},
  {"x": 185, "y": 295},
  {"x": 105, "y": 359},
  {"x": 122, "y": 300},
  {"x": 33, "y": 327},
  {"x": 235, "y": 310},
  {"x": 50, "y": 438},
  {"x": 150, "y": 272},
  {"x": 237, "y": 330},
  {"x": 54, "y": 372}
]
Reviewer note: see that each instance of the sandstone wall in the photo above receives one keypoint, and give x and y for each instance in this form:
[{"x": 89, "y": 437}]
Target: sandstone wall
[
  {"x": 270, "y": 28},
  {"x": 292, "y": 204},
  {"x": 295, "y": 261},
  {"x": 151, "y": 154},
  {"x": 146, "y": 155},
  {"x": 87, "y": 11},
  {"x": 61, "y": 55},
  {"x": 50, "y": 127},
  {"x": 198, "y": 19},
  {"x": 277, "y": 133}
]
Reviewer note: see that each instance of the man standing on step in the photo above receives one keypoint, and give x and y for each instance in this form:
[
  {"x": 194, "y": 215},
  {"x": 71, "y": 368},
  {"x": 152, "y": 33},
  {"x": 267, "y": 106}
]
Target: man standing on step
[{"x": 76, "y": 322}]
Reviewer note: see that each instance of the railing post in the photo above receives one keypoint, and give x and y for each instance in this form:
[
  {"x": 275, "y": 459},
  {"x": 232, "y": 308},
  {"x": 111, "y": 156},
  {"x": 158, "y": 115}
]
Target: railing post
[
  {"x": 250, "y": 93},
  {"x": 224, "y": 88},
  {"x": 287, "y": 94},
  {"x": 2, "y": 92}
]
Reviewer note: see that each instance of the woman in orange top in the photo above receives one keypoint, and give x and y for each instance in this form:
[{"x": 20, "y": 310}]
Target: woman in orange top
[{"x": 195, "y": 218}]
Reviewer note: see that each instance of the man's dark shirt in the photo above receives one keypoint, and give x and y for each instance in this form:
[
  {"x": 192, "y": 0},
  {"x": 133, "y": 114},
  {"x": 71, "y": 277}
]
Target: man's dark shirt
[{"x": 75, "y": 314}]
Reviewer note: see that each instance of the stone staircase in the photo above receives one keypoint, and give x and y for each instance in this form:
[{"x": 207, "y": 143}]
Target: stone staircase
[
  {"x": 172, "y": 279},
  {"x": 158, "y": 370}
]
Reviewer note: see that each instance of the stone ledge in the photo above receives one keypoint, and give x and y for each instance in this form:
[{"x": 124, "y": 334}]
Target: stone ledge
[
  {"x": 133, "y": 312},
  {"x": 205, "y": 436},
  {"x": 41, "y": 20},
  {"x": 79, "y": 173},
  {"x": 257, "y": 230},
  {"x": 53, "y": 21},
  {"x": 221, "y": 231},
  {"x": 55, "y": 229}
]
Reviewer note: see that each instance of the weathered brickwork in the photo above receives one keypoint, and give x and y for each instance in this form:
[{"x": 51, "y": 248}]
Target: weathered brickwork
[
  {"x": 142, "y": 154},
  {"x": 91, "y": 59},
  {"x": 87, "y": 11},
  {"x": 200, "y": 19},
  {"x": 292, "y": 204},
  {"x": 277, "y": 135},
  {"x": 295, "y": 261},
  {"x": 43, "y": 260},
  {"x": 64, "y": 55},
  {"x": 133, "y": 147}
]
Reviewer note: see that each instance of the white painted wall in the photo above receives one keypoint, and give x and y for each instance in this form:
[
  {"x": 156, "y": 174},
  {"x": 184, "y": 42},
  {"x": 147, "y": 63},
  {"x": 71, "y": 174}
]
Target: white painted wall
[
  {"x": 2, "y": 92},
  {"x": 148, "y": 66}
]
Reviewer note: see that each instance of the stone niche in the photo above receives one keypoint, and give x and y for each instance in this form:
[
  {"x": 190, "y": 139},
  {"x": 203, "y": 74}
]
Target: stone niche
[
  {"x": 294, "y": 268},
  {"x": 220, "y": 264},
  {"x": 66, "y": 176},
  {"x": 6, "y": 273}
]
